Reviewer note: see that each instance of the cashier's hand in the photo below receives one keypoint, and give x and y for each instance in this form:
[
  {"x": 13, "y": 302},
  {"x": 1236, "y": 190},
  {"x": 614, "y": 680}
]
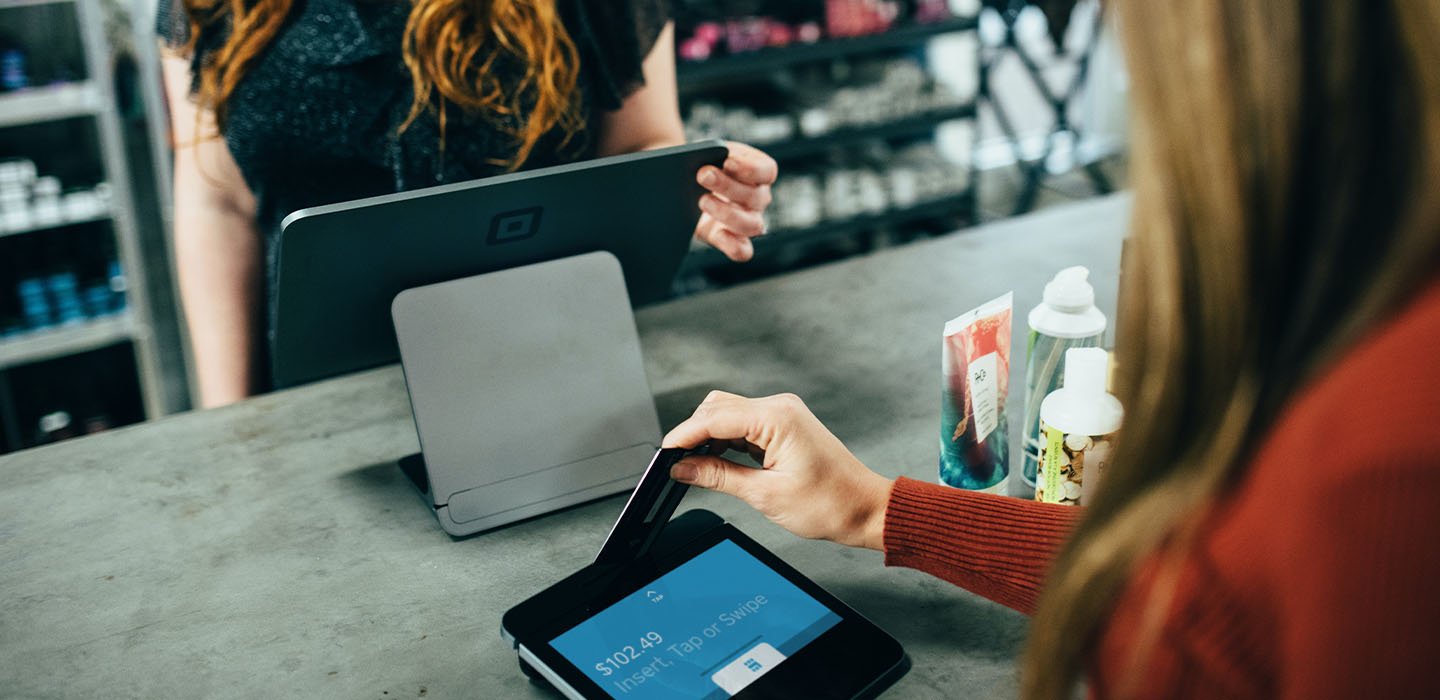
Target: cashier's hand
[
  {"x": 810, "y": 484},
  {"x": 733, "y": 211}
]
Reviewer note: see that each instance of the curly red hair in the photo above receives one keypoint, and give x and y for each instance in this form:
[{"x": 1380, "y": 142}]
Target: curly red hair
[{"x": 451, "y": 48}]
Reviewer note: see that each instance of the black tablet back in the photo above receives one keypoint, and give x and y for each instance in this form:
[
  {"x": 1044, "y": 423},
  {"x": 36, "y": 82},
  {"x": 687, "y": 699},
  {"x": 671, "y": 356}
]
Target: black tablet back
[{"x": 341, "y": 265}]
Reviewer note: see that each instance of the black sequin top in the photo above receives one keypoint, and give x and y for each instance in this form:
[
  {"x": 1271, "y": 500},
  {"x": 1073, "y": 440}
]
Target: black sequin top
[{"x": 316, "y": 119}]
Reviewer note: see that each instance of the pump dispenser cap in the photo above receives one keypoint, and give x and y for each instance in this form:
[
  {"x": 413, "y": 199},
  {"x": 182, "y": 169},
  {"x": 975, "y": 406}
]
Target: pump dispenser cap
[
  {"x": 1070, "y": 291},
  {"x": 1086, "y": 370}
]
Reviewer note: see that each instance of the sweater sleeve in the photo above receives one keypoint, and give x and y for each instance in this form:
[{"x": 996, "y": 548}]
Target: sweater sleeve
[
  {"x": 994, "y": 546},
  {"x": 1360, "y": 614}
]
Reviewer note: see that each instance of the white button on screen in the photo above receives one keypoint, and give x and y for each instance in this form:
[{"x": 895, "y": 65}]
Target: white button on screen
[{"x": 747, "y": 667}]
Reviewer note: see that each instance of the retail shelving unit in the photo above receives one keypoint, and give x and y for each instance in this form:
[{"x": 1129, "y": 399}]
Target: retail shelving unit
[
  {"x": 917, "y": 125},
  {"x": 731, "y": 74},
  {"x": 699, "y": 74},
  {"x": 932, "y": 210},
  {"x": 75, "y": 120}
]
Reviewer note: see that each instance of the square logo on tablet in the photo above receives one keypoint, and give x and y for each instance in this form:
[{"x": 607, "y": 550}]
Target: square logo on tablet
[{"x": 514, "y": 225}]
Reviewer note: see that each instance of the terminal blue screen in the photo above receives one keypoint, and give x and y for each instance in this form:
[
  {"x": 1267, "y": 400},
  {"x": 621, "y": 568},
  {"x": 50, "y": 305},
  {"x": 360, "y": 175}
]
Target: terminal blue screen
[{"x": 705, "y": 630}]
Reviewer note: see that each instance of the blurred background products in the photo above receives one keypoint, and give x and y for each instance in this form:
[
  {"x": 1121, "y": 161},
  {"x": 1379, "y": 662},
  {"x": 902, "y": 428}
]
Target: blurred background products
[
  {"x": 873, "y": 141},
  {"x": 14, "y": 72},
  {"x": 879, "y": 91},
  {"x": 29, "y": 201},
  {"x": 870, "y": 183},
  {"x": 881, "y": 114},
  {"x": 63, "y": 270},
  {"x": 707, "y": 30},
  {"x": 80, "y": 351}
]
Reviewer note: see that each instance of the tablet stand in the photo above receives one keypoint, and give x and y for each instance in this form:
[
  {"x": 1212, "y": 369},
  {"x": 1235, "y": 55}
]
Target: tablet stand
[{"x": 528, "y": 391}]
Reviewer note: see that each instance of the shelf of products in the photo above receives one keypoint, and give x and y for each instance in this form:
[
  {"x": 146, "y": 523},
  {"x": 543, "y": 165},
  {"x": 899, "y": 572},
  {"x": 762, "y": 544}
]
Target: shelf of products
[
  {"x": 882, "y": 188},
  {"x": 948, "y": 208},
  {"x": 841, "y": 94},
  {"x": 42, "y": 104},
  {"x": 917, "y": 125},
  {"x": 747, "y": 65},
  {"x": 71, "y": 395},
  {"x": 30, "y": 203},
  {"x": 77, "y": 343},
  {"x": 65, "y": 220},
  {"x": 89, "y": 334}
]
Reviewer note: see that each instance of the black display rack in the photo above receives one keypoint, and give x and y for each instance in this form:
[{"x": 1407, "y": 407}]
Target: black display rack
[
  {"x": 918, "y": 125},
  {"x": 944, "y": 208},
  {"x": 717, "y": 75},
  {"x": 698, "y": 75}
]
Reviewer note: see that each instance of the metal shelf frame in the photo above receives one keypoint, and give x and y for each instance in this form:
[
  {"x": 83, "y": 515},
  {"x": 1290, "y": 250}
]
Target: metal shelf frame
[
  {"x": 103, "y": 216},
  {"x": 51, "y": 103},
  {"x": 60, "y": 341},
  {"x": 1032, "y": 171},
  {"x": 101, "y": 65},
  {"x": 93, "y": 99}
]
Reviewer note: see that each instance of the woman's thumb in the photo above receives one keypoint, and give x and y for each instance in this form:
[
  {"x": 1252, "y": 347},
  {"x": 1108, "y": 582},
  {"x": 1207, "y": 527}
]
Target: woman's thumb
[{"x": 715, "y": 474}]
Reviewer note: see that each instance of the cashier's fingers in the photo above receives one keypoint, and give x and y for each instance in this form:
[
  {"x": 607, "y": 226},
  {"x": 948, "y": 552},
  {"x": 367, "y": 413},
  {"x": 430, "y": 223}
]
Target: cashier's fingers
[
  {"x": 750, "y": 165},
  {"x": 750, "y": 196},
  {"x": 713, "y": 233},
  {"x": 735, "y": 218}
]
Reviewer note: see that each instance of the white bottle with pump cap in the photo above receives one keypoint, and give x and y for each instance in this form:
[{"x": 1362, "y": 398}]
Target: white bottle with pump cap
[
  {"x": 1066, "y": 319},
  {"x": 1078, "y": 423}
]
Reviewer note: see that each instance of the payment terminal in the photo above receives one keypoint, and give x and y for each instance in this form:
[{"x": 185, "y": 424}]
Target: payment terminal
[{"x": 692, "y": 608}]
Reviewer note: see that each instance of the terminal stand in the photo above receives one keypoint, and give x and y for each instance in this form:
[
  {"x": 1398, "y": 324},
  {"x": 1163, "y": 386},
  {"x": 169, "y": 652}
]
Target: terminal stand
[{"x": 528, "y": 391}]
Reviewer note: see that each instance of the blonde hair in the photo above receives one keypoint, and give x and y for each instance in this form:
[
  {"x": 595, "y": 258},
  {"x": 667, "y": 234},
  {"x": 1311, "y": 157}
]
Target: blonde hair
[
  {"x": 451, "y": 48},
  {"x": 1286, "y": 166}
]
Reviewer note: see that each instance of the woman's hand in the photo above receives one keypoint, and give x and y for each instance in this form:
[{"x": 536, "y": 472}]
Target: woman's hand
[
  {"x": 733, "y": 212},
  {"x": 810, "y": 484}
]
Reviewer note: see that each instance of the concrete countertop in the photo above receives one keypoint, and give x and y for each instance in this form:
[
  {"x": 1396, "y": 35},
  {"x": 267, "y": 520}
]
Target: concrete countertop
[{"x": 273, "y": 547}]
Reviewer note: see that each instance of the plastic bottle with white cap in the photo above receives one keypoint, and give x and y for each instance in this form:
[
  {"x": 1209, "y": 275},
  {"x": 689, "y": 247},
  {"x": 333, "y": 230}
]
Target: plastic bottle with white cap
[
  {"x": 1066, "y": 319},
  {"x": 1078, "y": 424}
]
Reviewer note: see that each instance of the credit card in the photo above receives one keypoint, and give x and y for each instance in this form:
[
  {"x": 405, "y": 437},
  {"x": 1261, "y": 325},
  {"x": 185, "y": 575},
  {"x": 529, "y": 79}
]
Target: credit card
[{"x": 650, "y": 506}]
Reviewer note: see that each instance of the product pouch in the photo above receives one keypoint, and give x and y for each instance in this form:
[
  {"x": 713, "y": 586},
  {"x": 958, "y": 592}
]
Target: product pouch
[{"x": 974, "y": 433}]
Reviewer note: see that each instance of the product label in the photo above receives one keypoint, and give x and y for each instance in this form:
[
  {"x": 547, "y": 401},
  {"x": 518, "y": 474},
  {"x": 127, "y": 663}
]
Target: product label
[
  {"x": 974, "y": 449},
  {"x": 985, "y": 395},
  {"x": 1071, "y": 465}
]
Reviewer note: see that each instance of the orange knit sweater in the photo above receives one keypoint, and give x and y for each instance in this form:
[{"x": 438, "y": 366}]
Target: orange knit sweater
[{"x": 1318, "y": 576}]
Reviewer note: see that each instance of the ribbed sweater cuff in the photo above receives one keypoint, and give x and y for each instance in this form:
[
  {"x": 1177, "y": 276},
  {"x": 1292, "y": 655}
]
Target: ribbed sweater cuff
[{"x": 994, "y": 546}]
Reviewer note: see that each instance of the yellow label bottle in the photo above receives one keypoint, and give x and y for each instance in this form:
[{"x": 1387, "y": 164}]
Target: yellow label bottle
[{"x": 1078, "y": 423}]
